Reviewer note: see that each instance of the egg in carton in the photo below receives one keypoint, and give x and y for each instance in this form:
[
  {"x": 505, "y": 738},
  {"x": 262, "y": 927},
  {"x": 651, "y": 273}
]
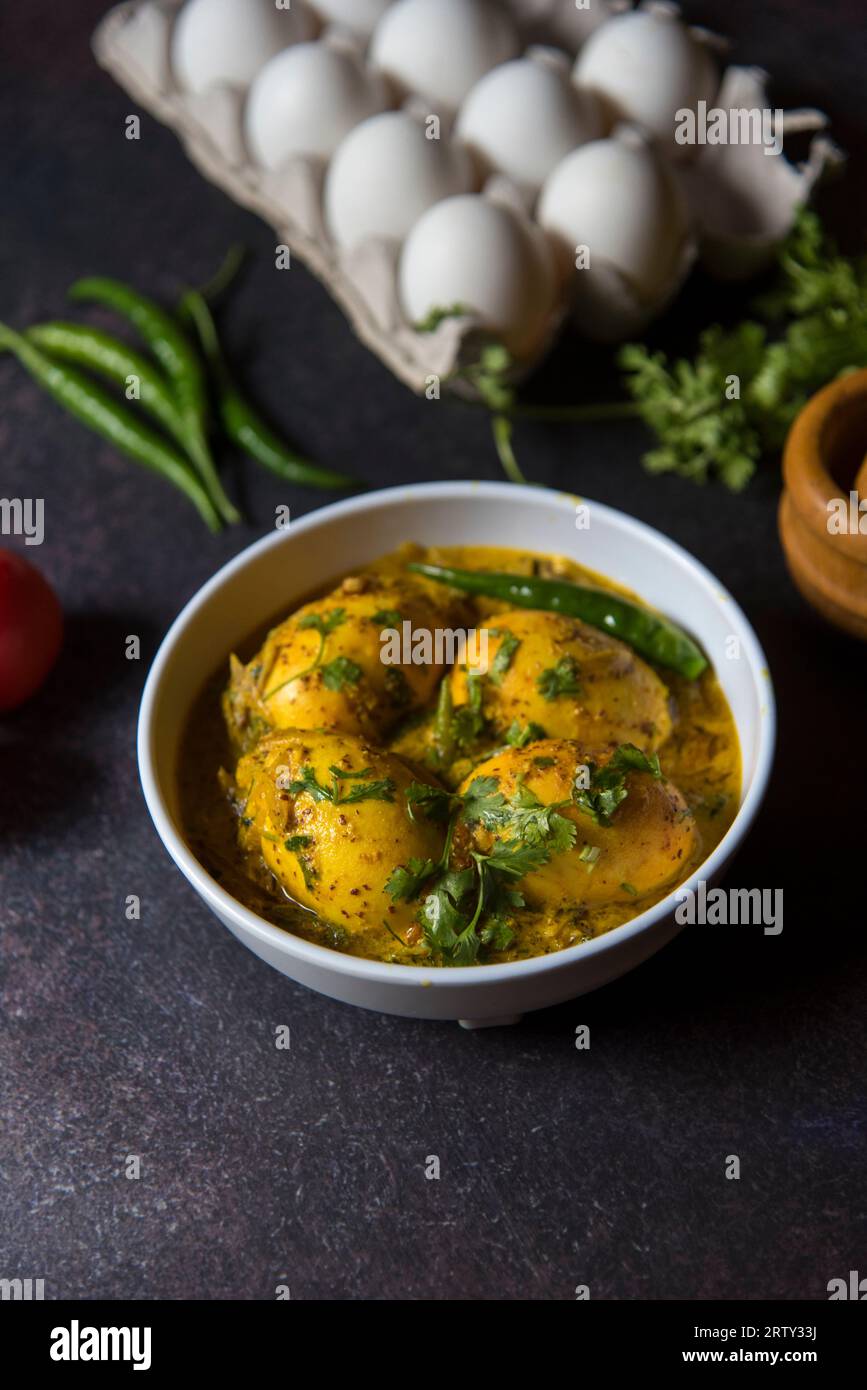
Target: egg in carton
[{"x": 446, "y": 178}]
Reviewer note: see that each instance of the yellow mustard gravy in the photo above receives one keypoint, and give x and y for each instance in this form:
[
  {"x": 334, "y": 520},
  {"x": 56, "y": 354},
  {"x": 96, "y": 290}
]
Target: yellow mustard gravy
[{"x": 700, "y": 756}]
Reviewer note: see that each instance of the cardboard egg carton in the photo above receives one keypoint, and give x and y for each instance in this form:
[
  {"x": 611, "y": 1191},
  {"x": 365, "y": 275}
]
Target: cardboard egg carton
[{"x": 133, "y": 43}]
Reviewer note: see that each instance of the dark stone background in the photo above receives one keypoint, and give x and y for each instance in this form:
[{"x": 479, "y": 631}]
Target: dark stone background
[{"x": 156, "y": 1038}]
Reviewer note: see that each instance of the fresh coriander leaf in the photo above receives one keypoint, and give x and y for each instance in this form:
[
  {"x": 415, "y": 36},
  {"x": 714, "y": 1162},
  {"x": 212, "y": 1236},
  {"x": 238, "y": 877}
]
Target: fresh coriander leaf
[
  {"x": 307, "y": 783},
  {"x": 631, "y": 759},
  {"x": 442, "y": 921},
  {"x": 380, "y": 790},
  {"x": 589, "y": 855},
  {"x": 433, "y": 802},
  {"x": 323, "y": 623},
  {"x": 518, "y": 737},
  {"x": 296, "y": 844},
  {"x": 489, "y": 377},
  {"x": 559, "y": 680},
  {"x": 457, "y": 883},
  {"x": 432, "y": 320},
  {"x": 503, "y": 659},
  {"x": 607, "y": 788},
  {"x": 484, "y": 803},
  {"x": 468, "y": 721},
  {"x": 630, "y": 889},
  {"x": 513, "y": 859},
  {"x": 341, "y": 672},
  {"x": 387, "y": 617},
  {"x": 497, "y": 933},
  {"x": 531, "y": 820},
  {"x": 397, "y": 687},
  {"x": 406, "y": 881}
]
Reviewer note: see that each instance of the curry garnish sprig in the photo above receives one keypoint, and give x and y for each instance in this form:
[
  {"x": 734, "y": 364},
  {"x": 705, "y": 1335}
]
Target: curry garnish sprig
[
  {"x": 560, "y": 680},
  {"x": 468, "y": 722},
  {"x": 323, "y": 624},
  {"x": 606, "y": 788},
  {"x": 504, "y": 655},
  {"x": 381, "y": 789},
  {"x": 518, "y": 736},
  {"x": 297, "y": 845},
  {"x": 387, "y": 617},
  {"x": 466, "y": 909},
  {"x": 340, "y": 672}
]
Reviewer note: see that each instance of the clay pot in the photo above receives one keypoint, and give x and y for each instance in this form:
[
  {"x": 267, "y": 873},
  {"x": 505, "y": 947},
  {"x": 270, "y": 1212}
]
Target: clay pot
[{"x": 825, "y": 449}]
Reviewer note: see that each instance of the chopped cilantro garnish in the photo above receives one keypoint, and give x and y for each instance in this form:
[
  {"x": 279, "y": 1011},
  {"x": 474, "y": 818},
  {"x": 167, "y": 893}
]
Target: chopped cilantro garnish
[
  {"x": 503, "y": 659},
  {"x": 469, "y": 909},
  {"x": 378, "y": 790},
  {"x": 340, "y": 672},
  {"x": 468, "y": 721},
  {"x": 558, "y": 680},
  {"x": 324, "y": 624},
  {"x": 518, "y": 737},
  {"x": 433, "y": 802},
  {"x": 606, "y": 786},
  {"x": 387, "y": 617},
  {"x": 296, "y": 844}
]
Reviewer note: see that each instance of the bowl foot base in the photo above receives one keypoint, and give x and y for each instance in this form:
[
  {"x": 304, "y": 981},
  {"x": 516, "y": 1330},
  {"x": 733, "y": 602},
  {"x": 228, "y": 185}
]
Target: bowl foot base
[{"x": 505, "y": 1021}]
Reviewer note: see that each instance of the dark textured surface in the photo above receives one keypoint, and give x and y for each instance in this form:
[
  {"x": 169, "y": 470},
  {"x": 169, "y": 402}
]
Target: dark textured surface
[{"x": 156, "y": 1038}]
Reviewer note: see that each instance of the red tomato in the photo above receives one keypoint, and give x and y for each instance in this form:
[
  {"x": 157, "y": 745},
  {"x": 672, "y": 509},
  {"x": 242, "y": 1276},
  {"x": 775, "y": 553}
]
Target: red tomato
[{"x": 31, "y": 627}]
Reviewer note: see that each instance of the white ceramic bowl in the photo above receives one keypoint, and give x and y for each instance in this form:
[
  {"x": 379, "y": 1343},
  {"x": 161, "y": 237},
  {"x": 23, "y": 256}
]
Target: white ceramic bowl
[{"x": 275, "y": 572}]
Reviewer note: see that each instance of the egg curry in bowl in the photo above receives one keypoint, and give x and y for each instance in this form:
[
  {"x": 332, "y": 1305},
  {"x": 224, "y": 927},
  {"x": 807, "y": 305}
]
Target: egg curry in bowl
[{"x": 526, "y": 787}]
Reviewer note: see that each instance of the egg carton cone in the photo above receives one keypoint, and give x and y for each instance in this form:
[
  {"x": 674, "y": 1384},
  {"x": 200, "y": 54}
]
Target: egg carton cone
[{"x": 134, "y": 43}]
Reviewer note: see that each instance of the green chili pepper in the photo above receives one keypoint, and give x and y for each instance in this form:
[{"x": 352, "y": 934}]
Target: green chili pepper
[
  {"x": 654, "y": 637},
  {"x": 98, "y": 410},
  {"x": 180, "y": 363},
  {"x": 238, "y": 418},
  {"x": 443, "y": 736},
  {"x": 109, "y": 357}
]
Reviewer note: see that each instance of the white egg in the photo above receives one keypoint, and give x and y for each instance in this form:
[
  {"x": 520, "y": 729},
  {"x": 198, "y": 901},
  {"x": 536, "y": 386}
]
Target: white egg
[
  {"x": 304, "y": 101},
  {"x": 524, "y": 117},
  {"x": 230, "y": 40},
  {"x": 440, "y": 48},
  {"x": 359, "y": 16},
  {"x": 616, "y": 198},
  {"x": 385, "y": 174},
  {"x": 646, "y": 66},
  {"x": 471, "y": 252}
]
